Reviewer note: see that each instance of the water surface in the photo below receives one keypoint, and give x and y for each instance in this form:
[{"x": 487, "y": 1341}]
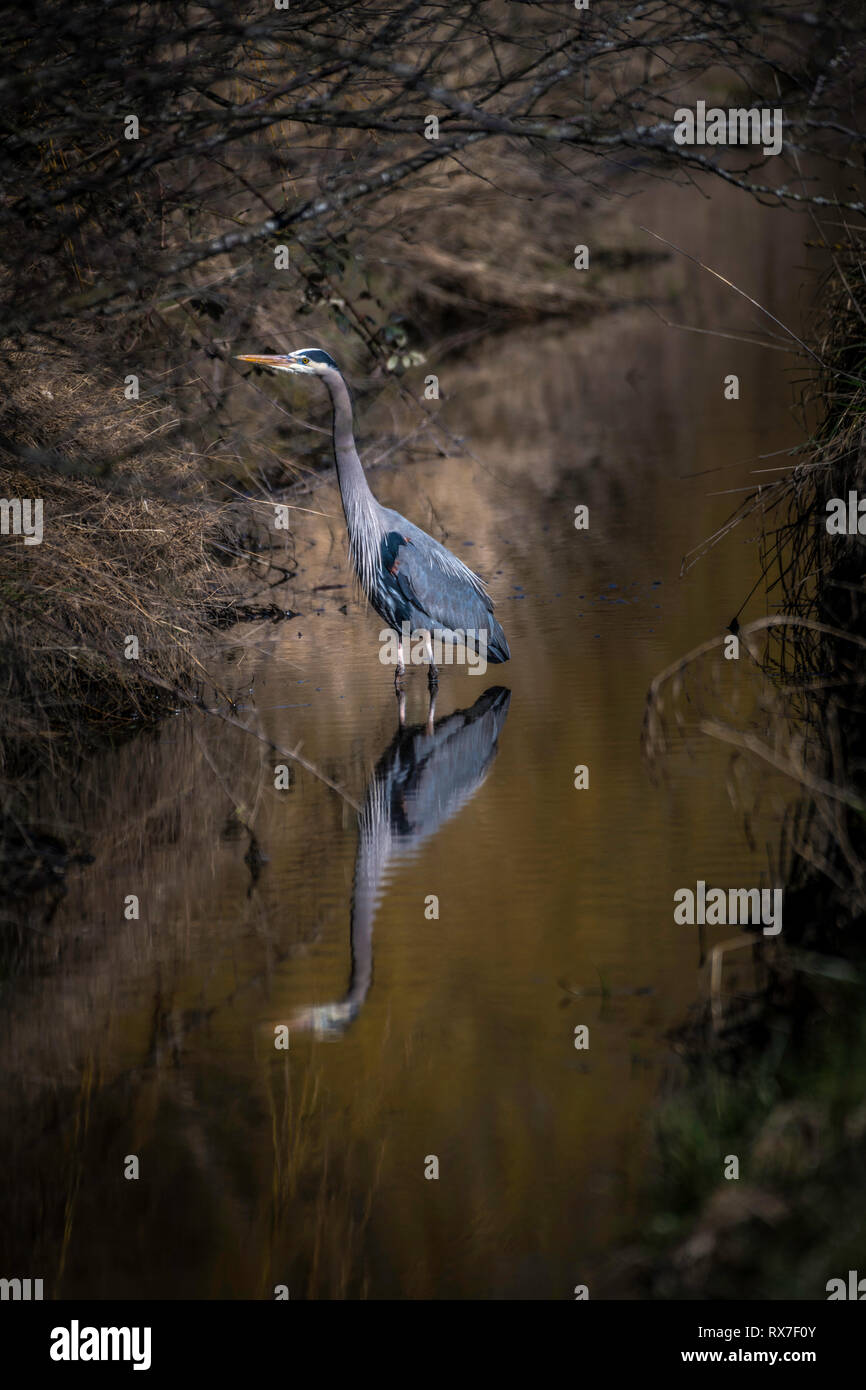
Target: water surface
[{"x": 416, "y": 1035}]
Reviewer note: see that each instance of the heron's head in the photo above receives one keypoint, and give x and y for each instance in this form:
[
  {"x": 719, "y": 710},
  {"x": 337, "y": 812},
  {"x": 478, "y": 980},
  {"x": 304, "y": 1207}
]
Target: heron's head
[
  {"x": 308, "y": 361},
  {"x": 328, "y": 1021}
]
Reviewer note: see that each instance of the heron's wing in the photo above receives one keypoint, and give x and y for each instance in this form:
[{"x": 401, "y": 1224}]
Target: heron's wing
[{"x": 434, "y": 581}]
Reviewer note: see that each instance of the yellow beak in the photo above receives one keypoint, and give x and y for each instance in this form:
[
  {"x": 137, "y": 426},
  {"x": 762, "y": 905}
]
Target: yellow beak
[{"x": 261, "y": 361}]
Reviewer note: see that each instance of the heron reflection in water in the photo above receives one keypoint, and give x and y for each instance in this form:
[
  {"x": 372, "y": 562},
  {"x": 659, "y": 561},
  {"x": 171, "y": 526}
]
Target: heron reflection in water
[{"x": 422, "y": 779}]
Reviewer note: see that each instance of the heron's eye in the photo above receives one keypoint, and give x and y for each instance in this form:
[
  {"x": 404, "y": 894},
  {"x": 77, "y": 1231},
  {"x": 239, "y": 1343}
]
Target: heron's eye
[{"x": 306, "y": 361}]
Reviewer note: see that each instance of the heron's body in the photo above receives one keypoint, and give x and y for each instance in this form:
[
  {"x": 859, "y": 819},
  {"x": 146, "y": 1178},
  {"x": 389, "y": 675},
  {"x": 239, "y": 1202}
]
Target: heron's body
[
  {"x": 411, "y": 579},
  {"x": 408, "y": 577}
]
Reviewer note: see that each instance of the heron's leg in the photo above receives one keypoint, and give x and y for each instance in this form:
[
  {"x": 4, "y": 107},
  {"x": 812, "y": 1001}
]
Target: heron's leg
[
  {"x": 431, "y": 713},
  {"x": 432, "y": 673},
  {"x": 400, "y": 671}
]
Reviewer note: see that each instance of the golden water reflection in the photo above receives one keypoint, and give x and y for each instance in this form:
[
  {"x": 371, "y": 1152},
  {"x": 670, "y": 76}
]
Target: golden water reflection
[{"x": 454, "y": 1036}]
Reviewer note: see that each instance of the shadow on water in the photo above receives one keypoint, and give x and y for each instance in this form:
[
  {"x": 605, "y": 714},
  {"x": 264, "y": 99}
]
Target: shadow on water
[{"x": 426, "y": 775}]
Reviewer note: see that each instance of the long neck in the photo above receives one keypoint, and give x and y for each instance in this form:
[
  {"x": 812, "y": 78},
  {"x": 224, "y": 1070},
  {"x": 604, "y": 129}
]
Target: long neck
[{"x": 354, "y": 489}]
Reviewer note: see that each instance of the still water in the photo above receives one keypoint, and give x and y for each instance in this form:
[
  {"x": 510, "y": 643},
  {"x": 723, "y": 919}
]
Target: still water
[{"x": 414, "y": 1035}]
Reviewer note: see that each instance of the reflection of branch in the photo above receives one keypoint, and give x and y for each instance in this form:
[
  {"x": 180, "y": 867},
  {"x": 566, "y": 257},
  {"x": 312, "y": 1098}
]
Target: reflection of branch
[
  {"x": 750, "y": 743},
  {"x": 244, "y": 814},
  {"x": 284, "y": 753},
  {"x": 759, "y": 624},
  {"x": 654, "y": 713}
]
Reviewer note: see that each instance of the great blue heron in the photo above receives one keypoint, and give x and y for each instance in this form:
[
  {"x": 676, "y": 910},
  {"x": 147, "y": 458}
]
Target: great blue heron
[
  {"x": 412, "y": 581},
  {"x": 421, "y": 781}
]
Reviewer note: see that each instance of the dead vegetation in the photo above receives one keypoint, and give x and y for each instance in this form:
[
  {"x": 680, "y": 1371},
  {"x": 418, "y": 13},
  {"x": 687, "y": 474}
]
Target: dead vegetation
[
  {"x": 806, "y": 719},
  {"x": 771, "y": 1064},
  {"x": 139, "y": 232},
  {"x": 129, "y": 551}
]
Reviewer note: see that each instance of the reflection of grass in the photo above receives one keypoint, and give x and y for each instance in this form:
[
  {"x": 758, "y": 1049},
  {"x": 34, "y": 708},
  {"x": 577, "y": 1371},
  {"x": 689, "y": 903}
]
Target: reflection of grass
[
  {"x": 321, "y": 1194},
  {"x": 75, "y": 1165}
]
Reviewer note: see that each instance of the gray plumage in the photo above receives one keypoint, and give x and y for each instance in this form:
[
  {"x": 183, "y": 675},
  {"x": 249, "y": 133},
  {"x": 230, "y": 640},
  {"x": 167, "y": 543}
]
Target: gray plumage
[
  {"x": 423, "y": 779},
  {"x": 407, "y": 576}
]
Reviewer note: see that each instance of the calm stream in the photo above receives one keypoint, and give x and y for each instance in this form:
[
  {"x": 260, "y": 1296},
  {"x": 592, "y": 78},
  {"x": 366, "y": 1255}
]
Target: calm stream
[{"x": 415, "y": 1036}]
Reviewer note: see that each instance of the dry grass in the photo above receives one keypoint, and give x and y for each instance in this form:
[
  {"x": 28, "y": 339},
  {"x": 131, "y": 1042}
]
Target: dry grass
[
  {"x": 806, "y": 719},
  {"x": 771, "y": 1062},
  {"x": 127, "y": 552}
]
